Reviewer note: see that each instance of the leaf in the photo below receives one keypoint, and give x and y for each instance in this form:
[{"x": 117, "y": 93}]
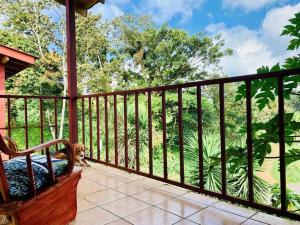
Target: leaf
[
  {"x": 238, "y": 97},
  {"x": 275, "y": 68},
  {"x": 292, "y": 155}
]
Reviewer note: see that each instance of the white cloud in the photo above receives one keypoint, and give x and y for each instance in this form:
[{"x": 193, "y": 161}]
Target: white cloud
[
  {"x": 161, "y": 10},
  {"x": 273, "y": 24},
  {"x": 254, "y": 48},
  {"x": 165, "y": 10},
  {"x": 111, "y": 9},
  {"x": 247, "y": 5}
]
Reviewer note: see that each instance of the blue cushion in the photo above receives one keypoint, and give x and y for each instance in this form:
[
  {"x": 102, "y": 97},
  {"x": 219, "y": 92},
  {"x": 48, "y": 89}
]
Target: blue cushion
[{"x": 17, "y": 176}]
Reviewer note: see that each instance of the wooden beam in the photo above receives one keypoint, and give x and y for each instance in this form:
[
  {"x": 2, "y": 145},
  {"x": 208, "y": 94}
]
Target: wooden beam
[
  {"x": 82, "y": 6},
  {"x": 15, "y": 54},
  {"x": 72, "y": 71},
  {"x": 4, "y": 59}
]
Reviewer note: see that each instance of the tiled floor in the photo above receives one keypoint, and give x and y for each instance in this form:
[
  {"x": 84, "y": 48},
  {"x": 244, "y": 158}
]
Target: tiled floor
[{"x": 110, "y": 196}]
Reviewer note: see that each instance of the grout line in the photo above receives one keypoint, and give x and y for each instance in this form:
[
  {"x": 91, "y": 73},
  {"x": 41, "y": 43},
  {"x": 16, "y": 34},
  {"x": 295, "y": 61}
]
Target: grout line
[
  {"x": 251, "y": 218},
  {"x": 117, "y": 220},
  {"x": 108, "y": 201},
  {"x": 255, "y": 221},
  {"x": 128, "y": 214},
  {"x": 85, "y": 210},
  {"x": 157, "y": 188},
  {"x": 224, "y": 210}
]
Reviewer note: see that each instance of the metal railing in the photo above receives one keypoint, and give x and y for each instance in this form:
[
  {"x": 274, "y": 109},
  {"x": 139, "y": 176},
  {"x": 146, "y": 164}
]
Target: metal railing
[
  {"x": 11, "y": 128},
  {"x": 96, "y": 111},
  {"x": 111, "y": 158}
]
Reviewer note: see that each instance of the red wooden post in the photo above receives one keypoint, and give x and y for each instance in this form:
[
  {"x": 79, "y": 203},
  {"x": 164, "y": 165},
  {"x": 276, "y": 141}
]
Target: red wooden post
[
  {"x": 72, "y": 72},
  {"x": 2, "y": 100}
]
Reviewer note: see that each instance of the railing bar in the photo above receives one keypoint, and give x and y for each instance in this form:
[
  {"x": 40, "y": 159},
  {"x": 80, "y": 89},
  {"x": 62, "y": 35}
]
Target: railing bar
[
  {"x": 222, "y": 136},
  {"x": 200, "y": 138},
  {"x": 202, "y": 83},
  {"x": 23, "y": 127},
  {"x": 55, "y": 122},
  {"x": 106, "y": 130},
  {"x": 91, "y": 128},
  {"x": 41, "y": 121},
  {"x": 137, "y": 132},
  {"x": 180, "y": 136},
  {"x": 98, "y": 129},
  {"x": 116, "y": 129},
  {"x": 50, "y": 168},
  {"x": 282, "y": 143},
  {"x": 33, "y": 97},
  {"x": 30, "y": 175},
  {"x": 26, "y": 122},
  {"x": 83, "y": 121},
  {"x": 150, "y": 132},
  {"x": 8, "y": 116},
  {"x": 249, "y": 141},
  {"x": 164, "y": 127},
  {"x": 125, "y": 132}
]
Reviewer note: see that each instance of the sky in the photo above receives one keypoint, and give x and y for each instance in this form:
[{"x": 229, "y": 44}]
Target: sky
[{"x": 251, "y": 28}]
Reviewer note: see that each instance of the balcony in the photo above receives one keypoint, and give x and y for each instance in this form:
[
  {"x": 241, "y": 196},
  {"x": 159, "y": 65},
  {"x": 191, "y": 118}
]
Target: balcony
[
  {"x": 111, "y": 196},
  {"x": 137, "y": 155}
]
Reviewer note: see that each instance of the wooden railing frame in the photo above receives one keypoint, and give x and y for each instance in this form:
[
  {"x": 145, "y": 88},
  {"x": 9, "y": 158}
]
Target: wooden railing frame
[{"x": 199, "y": 86}]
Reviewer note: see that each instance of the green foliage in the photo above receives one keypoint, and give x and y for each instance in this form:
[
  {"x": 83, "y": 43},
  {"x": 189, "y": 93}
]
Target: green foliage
[
  {"x": 211, "y": 160},
  {"x": 292, "y": 30},
  {"x": 238, "y": 184},
  {"x": 131, "y": 132},
  {"x": 164, "y": 55},
  {"x": 237, "y": 169},
  {"x": 292, "y": 199},
  {"x": 292, "y": 156},
  {"x": 265, "y": 91}
]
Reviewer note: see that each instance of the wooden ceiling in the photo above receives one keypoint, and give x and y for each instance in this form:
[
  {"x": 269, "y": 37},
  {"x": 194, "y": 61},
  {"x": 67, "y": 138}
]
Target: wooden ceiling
[
  {"x": 82, "y": 6},
  {"x": 15, "y": 61}
]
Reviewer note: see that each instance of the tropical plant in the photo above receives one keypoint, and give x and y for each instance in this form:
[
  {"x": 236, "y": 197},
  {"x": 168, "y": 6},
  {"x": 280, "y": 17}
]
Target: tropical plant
[
  {"x": 292, "y": 199},
  {"x": 237, "y": 170},
  {"x": 264, "y": 94},
  {"x": 131, "y": 133},
  {"x": 211, "y": 161}
]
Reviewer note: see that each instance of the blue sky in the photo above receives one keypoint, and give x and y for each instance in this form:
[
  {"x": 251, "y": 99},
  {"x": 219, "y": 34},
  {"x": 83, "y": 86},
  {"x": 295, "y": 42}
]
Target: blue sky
[{"x": 250, "y": 27}]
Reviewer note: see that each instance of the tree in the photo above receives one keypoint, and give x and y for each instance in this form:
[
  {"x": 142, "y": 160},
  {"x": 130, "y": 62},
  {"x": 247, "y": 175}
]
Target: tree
[
  {"x": 164, "y": 55},
  {"x": 264, "y": 94}
]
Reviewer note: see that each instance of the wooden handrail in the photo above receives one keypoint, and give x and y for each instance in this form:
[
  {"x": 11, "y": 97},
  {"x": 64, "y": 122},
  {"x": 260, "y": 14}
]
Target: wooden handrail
[{"x": 27, "y": 153}]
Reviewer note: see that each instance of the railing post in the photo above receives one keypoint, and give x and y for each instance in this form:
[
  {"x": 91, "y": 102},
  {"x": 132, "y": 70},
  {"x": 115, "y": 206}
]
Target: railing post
[
  {"x": 125, "y": 132},
  {"x": 282, "y": 143},
  {"x": 2, "y": 100},
  {"x": 83, "y": 121},
  {"x": 72, "y": 72},
  {"x": 98, "y": 129},
  {"x": 91, "y": 128},
  {"x": 116, "y": 130},
  {"x": 164, "y": 126},
  {"x": 200, "y": 138},
  {"x": 150, "y": 133},
  {"x": 137, "y": 132},
  {"x": 26, "y": 123},
  {"x": 180, "y": 135},
  {"x": 222, "y": 135},
  {"x": 249, "y": 141}
]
